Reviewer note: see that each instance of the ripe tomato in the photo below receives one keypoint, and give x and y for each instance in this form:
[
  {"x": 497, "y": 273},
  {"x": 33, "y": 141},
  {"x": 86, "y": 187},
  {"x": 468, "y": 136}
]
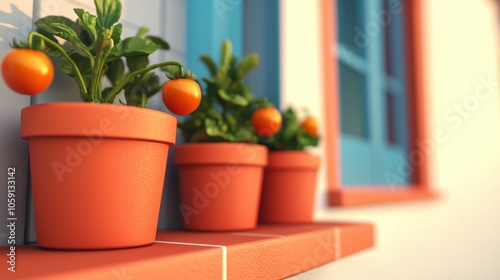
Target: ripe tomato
[
  {"x": 310, "y": 125},
  {"x": 27, "y": 71},
  {"x": 266, "y": 121},
  {"x": 181, "y": 96}
]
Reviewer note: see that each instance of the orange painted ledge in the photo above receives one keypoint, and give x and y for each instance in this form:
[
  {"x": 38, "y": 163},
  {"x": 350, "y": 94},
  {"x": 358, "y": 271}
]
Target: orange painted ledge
[
  {"x": 269, "y": 252},
  {"x": 370, "y": 195}
]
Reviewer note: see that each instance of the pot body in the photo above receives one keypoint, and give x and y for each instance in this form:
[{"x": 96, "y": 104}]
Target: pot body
[
  {"x": 288, "y": 191},
  {"x": 97, "y": 173},
  {"x": 220, "y": 185}
]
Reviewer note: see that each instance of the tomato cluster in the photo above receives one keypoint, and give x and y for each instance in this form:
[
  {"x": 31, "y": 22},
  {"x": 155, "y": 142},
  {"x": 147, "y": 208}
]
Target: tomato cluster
[{"x": 268, "y": 121}]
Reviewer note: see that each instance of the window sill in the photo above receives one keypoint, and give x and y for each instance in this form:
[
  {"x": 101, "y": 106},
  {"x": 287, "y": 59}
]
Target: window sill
[
  {"x": 269, "y": 252},
  {"x": 371, "y": 195}
]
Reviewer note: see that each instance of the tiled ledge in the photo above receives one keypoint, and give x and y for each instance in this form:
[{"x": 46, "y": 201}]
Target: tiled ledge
[{"x": 268, "y": 252}]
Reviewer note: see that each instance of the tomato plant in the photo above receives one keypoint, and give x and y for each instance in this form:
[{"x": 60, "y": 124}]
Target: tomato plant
[
  {"x": 310, "y": 125},
  {"x": 27, "y": 71},
  {"x": 226, "y": 109},
  {"x": 294, "y": 134},
  {"x": 266, "y": 121},
  {"x": 181, "y": 96},
  {"x": 91, "y": 49}
]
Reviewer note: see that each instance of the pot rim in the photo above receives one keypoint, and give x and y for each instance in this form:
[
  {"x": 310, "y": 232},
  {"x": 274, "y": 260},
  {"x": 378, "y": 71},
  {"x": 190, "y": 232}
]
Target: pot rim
[
  {"x": 289, "y": 159},
  {"x": 100, "y": 120},
  {"x": 220, "y": 153}
]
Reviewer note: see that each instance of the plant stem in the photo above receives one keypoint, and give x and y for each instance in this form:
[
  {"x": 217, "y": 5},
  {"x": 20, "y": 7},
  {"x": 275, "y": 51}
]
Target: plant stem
[
  {"x": 58, "y": 47},
  {"x": 103, "y": 49},
  {"x": 112, "y": 94}
]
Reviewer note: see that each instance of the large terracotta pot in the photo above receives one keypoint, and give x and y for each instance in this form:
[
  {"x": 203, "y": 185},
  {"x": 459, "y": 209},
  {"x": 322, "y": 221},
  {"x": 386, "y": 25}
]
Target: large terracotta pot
[
  {"x": 97, "y": 173},
  {"x": 288, "y": 191},
  {"x": 220, "y": 184}
]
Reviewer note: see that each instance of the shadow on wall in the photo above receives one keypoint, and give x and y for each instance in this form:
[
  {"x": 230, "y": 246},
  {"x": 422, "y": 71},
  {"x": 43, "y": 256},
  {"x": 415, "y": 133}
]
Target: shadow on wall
[
  {"x": 14, "y": 153},
  {"x": 14, "y": 23}
]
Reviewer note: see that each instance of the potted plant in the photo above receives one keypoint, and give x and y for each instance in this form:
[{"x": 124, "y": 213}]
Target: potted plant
[
  {"x": 288, "y": 191},
  {"x": 97, "y": 169},
  {"x": 221, "y": 165}
]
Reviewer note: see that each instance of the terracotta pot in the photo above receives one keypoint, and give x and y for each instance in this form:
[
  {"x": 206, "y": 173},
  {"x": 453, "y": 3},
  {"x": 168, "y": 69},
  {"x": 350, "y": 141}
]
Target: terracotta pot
[
  {"x": 97, "y": 173},
  {"x": 288, "y": 191},
  {"x": 220, "y": 184}
]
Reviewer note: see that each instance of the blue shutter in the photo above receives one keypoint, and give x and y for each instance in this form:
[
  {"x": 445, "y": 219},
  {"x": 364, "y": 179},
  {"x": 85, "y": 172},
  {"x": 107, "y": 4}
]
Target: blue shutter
[
  {"x": 252, "y": 26},
  {"x": 261, "y": 25},
  {"x": 209, "y": 23}
]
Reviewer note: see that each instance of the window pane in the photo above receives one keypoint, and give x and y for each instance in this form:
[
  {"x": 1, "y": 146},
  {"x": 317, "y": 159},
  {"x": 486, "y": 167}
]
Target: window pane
[
  {"x": 390, "y": 119},
  {"x": 353, "y": 102},
  {"x": 261, "y": 35},
  {"x": 397, "y": 119},
  {"x": 394, "y": 44},
  {"x": 350, "y": 26}
]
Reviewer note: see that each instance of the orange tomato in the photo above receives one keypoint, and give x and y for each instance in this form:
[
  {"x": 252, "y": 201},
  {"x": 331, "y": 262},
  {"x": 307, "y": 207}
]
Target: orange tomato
[
  {"x": 310, "y": 125},
  {"x": 181, "y": 96},
  {"x": 27, "y": 71},
  {"x": 266, "y": 121}
]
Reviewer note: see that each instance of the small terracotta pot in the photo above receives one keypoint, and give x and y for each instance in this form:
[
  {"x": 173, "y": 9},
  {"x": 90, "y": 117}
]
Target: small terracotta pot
[
  {"x": 288, "y": 191},
  {"x": 97, "y": 173},
  {"x": 220, "y": 184}
]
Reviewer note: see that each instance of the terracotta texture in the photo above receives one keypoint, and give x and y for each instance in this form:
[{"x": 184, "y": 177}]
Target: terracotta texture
[
  {"x": 288, "y": 191},
  {"x": 220, "y": 184},
  {"x": 267, "y": 252},
  {"x": 97, "y": 173}
]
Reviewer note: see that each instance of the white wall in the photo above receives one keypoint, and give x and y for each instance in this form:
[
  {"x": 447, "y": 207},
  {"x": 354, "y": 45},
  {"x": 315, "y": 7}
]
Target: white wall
[
  {"x": 456, "y": 237},
  {"x": 15, "y": 22}
]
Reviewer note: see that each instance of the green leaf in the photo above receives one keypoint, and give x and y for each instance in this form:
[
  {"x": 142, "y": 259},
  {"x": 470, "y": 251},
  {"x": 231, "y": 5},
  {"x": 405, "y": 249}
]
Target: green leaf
[
  {"x": 108, "y": 12},
  {"x": 212, "y": 128},
  {"x": 137, "y": 62},
  {"x": 231, "y": 122},
  {"x": 225, "y": 54},
  {"x": 246, "y": 64},
  {"x": 106, "y": 91},
  {"x": 208, "y": 81},
  {"x": 152, "y": 83},
  {"x": 209, "y": 62},
  {"x": 160, "y": 43},
  {"x": 289, "y": 131},
  {"x": 171, "y": 71},
  {"x": 83, "y": 64},
  {"x": 141, "y": 88},
  {"x": 133, "y": 46},
  {"x": 142, "y": 31},
  {"x": 117, "y": 33},
  {"x": 87, "y": 21},
  {"x": 222, "y": 79},
  {"x": 245, "y": 134},
  {"x": 116, "y": 71},
  {"x": 81, "y": 31},
  {"x": 48, "y": 20},
  {"x": 232, "y": 98},
  {"x": 65, "y": 32}
]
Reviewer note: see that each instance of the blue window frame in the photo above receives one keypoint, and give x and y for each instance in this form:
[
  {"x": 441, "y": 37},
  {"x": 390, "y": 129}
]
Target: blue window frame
[
  {"x": 252, "y": 26},
  {"x": 373, "y": 93}
]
